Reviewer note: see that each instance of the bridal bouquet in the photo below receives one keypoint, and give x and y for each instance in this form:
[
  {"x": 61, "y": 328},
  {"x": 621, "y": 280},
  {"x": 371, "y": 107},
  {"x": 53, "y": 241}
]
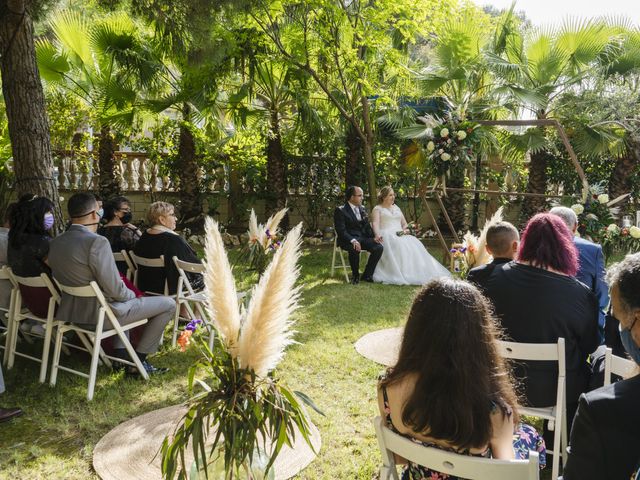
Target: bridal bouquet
[{"x": 243, "y": 415}]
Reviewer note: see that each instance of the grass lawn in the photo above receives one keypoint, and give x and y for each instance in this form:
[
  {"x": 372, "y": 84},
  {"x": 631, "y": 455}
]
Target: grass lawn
[{"x": 55, "y": 437}]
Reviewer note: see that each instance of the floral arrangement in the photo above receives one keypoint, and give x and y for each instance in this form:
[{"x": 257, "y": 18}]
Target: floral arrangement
[
  {"x": 595, "y": 214},
  {"x": 263, "y": 241},
  {"x": 242, "y": 405},
  {"x": 616, "y": 239},
  {"x": 414, "y": 228},
  {"x": 441, "y": 144},
  {"x": 185, "y": 337}
]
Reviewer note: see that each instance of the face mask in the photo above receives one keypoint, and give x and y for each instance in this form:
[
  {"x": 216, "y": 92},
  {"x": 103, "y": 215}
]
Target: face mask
[
  {"x": 48, "y": 221},
  {"x": 126, "y": 218},
  {"x": 629, "y": 345},
  {"x": 100, "y": 212}
]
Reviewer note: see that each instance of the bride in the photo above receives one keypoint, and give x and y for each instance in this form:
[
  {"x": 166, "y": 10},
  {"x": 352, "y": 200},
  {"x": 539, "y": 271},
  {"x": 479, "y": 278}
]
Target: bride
[{"x": 404, "y": 260}]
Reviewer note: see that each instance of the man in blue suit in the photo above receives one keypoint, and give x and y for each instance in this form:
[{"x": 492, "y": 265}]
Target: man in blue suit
[{"x": 591, "y": 271}]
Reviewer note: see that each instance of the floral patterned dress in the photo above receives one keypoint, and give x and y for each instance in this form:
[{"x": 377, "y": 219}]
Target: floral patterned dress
[{"x": 525, "y": 439}]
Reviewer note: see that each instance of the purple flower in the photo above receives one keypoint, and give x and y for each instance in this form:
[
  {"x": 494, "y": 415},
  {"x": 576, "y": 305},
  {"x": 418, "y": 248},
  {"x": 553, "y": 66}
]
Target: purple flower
[{"x": 193, "y": 324}]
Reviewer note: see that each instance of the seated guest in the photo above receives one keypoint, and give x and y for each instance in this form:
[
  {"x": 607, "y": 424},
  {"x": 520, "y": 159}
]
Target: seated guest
[
  {"x": 80, "y": 256},
  {"x": 161, "y": 239},
  {"x": 450, "y": 388},
  {"x": 122, "y": 235},
  {"x": 502, "y": 243},
  {"x": 604, "y": 438},
  {"x": 7, "y": 413},
  {"x": 355, "y": 234},
  {"x": 28, "y": 250},
  {"x": 5, "y": 285},
  {"x": 538, "y": 300},
  {"x": 591, "y": 263}
]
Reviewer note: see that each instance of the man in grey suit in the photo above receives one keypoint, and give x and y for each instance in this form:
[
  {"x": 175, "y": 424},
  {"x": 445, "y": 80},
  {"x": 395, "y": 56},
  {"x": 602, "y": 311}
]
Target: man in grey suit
[
  {"x": 7, "y": 413},
  {"x": 80, "y": 256}
]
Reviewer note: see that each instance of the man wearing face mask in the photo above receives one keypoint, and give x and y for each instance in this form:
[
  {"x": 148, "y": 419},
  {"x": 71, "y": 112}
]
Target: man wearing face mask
[
  {"x": 118, "y": 230},
  {"x": 605, "y": 439},
  {"x": 80, "y": 256}
]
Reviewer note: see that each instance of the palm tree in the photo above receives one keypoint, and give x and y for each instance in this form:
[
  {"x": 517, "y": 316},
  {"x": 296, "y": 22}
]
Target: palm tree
[
  {"x": 533, "y": 67},
  {"x": 108, "y": 64}
]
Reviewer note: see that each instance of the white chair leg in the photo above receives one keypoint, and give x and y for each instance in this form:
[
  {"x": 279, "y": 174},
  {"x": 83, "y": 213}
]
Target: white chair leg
[
  {"x": 333, "y": 259},
  {"x": 344, "y": 267},
  {"x": 557, "y": 448},
  {"x": 176, "y": 321},
  {"x": 48, "y": 331},
  {"x": 56, "y": 358},
  {"x": 93, "y": 370}
]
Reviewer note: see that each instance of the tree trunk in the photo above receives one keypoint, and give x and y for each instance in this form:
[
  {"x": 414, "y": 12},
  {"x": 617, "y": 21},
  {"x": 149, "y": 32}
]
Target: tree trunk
[
  {"x": 26, "y": 111},
  {"x": 353, "y": 158},
  {"x": 190, "y": 194},
  {"x": 537, "y": 183},
  {"x": 276, "y": 171},
  {"x": 368, "y": 150},
  {"x": 620, "y": 179},
  {"x": 109, "y": 171}
]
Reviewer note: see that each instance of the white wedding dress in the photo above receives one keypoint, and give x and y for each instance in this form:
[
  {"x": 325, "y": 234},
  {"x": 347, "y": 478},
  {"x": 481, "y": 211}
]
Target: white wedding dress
[{"x": 404, "y": 259}]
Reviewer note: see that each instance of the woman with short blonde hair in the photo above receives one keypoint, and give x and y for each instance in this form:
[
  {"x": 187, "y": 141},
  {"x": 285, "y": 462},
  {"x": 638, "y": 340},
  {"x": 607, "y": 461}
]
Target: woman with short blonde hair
[{"x": 161, "y": 239}]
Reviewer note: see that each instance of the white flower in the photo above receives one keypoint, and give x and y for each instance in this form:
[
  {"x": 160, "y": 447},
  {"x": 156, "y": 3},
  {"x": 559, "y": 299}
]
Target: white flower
[
  {"x": 613, "y": 228},
  {"x": 577, "y": 208},
  {"x": 444, "y": 133},
  {"x": 431, "y": 146},
  {"x": 603, "y": 198},
  {"x": 448, "y": 141},
  {"x": 441, "y": 151},
  {"x": 445, "y": 157},
  {"x": 634, "y": 232},
  {"x": 462, "y": 134}
]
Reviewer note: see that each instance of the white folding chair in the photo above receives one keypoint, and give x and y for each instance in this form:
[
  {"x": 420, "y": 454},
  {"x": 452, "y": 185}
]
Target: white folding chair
[
  {"x": 614, "y": 365},
  {"x": 556, "y": 414},
  {"x": 148, "y": 263},
  {"x": 7, "y": 313},
  {"x": 462, "y": 466},
  {"x": 123, "y": 256},
  {"x": 337, "y": 250},
  {"x": 21, "y": 313},
  {"x": 95, "y": 337},
  {"x": 187, "y": 296}
]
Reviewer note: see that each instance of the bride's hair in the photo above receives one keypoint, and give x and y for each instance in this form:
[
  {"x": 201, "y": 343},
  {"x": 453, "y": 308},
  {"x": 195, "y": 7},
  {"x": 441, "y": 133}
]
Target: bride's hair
[
  {"x": 384, "y": 191},
  {"x": 449, "y": 347}
]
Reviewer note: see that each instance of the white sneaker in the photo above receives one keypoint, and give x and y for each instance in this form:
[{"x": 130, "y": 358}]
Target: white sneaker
[{"x": 38, "y": 329}]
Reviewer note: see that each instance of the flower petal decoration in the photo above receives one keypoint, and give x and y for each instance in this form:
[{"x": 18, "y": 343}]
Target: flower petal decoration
[
  {"x": 267, "y": 327},
  {"x": 222, "y": 299}
]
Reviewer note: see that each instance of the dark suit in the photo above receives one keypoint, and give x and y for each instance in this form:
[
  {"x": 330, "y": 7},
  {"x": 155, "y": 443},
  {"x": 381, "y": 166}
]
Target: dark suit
[
  {"x": 479, "y": 276},
  {"x": 591, "y": 273},
  {"x": 349, "y": 228},
  {"x": 605, "y": 439}
]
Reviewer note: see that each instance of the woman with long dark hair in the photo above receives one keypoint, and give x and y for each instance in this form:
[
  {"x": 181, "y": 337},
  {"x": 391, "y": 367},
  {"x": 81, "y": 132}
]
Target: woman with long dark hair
[
  {"x": 450, "y": 388},
  {"x": 538, "y": 300}
]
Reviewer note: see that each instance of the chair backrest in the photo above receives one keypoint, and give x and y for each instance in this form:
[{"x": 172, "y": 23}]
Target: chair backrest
[
  {"x": 614, "y": 365},
  {"x": 184, "y": 267},
  {"x": 462, "y": 466},
  {"x": 89, "y": 291},
  {"x": 43, "y": 281},
  {"x": 535, "y": 352},
  {"x": 4, "y": 273},
  {"x": 123, "y": 256},
  {"x": 146, "y": 262}
]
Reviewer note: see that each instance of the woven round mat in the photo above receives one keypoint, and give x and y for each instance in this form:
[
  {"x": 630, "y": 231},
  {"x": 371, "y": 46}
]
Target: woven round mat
[
  {"x": 130, "y": 451},
  {"x": 381, "y": 346}
]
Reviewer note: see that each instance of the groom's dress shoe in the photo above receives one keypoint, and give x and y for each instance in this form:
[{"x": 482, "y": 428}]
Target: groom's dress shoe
[
  {"x": 367, "y": 279},
  {"x": 355, "y": 280},
  {"x": 7, "y": 414}
]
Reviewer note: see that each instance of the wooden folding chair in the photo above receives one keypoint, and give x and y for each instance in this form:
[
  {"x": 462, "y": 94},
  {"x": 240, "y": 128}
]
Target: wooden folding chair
[
  {"x": 7, "y": 314},
  {"x": 95, "y": 337},
  {"x": 614, "y": 365},
  {"x": 337, "y": 250},
  {"x": 149, "y": 263},
  {"x": 556, "y": 414},
  {"x": 21, "y": 313},
  {"x": 187, "y": 296},
  {"x": 123, "y": 256},
  {"x": 462, "y": 466}
]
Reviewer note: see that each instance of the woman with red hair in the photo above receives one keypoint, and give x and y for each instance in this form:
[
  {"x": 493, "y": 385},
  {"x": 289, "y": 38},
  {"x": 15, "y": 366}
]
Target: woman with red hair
[{"x": 538, "y": 300}]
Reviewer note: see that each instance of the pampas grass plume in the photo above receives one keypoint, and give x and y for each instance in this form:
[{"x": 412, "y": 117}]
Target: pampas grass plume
[
  {"x": 222, "y": 299},
  {"x": 267, "y": 328}
]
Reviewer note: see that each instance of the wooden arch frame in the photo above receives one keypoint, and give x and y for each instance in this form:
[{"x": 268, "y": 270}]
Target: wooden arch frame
[{"x": 545, "y": 122}]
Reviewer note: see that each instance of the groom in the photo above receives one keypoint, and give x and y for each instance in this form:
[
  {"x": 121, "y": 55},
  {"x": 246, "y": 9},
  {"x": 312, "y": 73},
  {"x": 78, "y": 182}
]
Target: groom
[{"x": 355, "y": 234}]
